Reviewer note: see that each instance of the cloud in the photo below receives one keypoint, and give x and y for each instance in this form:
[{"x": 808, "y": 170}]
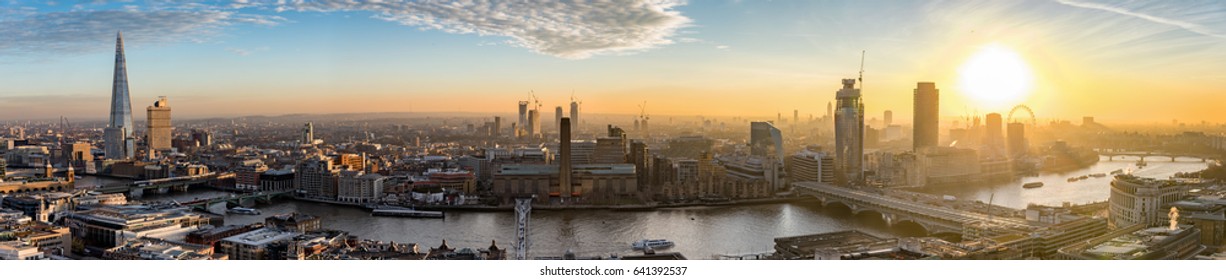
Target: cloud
[
  {"x": 1153, "y": 14},
  {"x": 569, "y": 29},
  {"x": 82, "y": 30},
  {"x": 246, "y": 52},
  {"x": 722, "y": 47}
]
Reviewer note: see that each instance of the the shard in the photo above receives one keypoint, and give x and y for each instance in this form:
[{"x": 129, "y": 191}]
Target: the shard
[{"x": 120, "y": 145}]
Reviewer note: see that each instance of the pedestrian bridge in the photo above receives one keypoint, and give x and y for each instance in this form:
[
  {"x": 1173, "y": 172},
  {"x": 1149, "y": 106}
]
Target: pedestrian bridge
[{"x": 935, "y": 219}]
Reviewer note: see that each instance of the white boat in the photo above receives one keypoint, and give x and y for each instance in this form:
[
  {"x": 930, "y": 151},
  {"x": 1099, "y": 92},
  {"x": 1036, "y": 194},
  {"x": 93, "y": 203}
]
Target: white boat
[
  {"x": 243, "y": 211},
  {"x": 651, "y": 243},
  {"x": 411, "y": 213}
]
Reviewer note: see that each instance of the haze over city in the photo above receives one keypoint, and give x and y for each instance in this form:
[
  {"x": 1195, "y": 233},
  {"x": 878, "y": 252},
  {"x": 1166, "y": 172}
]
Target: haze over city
[{"x": 1064, "y": 59}]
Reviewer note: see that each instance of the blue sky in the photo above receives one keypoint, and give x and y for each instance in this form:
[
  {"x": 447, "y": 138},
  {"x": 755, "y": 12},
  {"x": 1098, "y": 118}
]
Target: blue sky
[{"x": 233, "y": 58}]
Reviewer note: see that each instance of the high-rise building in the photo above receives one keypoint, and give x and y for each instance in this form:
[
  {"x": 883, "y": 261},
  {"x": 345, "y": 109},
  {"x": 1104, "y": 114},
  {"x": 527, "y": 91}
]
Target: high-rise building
[
  {"x": 316, "y": 178},
  {"x": 158, "y": 117},
  {"x": 795, "y": 117},
  {"x": 994, "y": 136},
  {"x": 564, "y": 166},
  {"x": 574, "y": 116},
  {"x": 763, "y": 134},
  {"x": 927, "y": 114},
  {"x": 118, "y": 133},
  {"x": 497, "y": 129},
  {"x": 557, "y": 122},
  {"x": 849, "y": 133},
  {"x": 829, "y": 110},
  {"x": 641, "y": 158},
  {"x": 1017, "y": 139},
  {"x": 889, "y": 118},
  {"x": 308, "y": 133},
  {"x": 534, "y": 124},
  {"x": 523, "y": 116}
]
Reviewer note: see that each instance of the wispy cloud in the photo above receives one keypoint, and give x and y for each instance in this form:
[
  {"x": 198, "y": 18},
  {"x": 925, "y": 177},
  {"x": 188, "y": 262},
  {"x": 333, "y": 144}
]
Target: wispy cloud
[
  {"x": 246, "y": 51},
  {"x": 1137, "y": 13},
  {"x": 81, "y": 30},
  {"x": 573, "y": 30}
]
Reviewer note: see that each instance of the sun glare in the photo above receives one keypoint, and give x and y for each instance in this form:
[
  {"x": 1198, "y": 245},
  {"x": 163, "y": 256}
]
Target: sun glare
[{"x": 995, "y": 77}]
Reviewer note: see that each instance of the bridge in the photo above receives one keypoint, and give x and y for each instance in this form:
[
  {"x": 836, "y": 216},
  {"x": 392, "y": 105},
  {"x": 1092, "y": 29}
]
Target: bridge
[
  {"x": 934, "y": 219},
  {"x": 1112, "y": 154},
  {"x": 246, "y": 199},
  {"x": 137, "y": 189}
]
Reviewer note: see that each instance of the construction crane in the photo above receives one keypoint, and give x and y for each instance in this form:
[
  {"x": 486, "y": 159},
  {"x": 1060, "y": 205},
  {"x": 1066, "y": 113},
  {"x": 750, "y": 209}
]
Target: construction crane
[{"x": 861, "y": 79}]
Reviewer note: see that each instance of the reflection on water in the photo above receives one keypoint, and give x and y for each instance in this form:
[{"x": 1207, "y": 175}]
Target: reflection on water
[
  {"x": 699, "y": 232},
  {"x": 1056, "y": 188}
]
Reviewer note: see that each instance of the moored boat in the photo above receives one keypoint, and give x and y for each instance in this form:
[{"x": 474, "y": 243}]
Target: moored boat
[
  {"x": 243, "y": 211},
  {"x": 411, "y": 213},
  {"x": 1032, "y": 185},
  {"x": 652, "y": 243}
]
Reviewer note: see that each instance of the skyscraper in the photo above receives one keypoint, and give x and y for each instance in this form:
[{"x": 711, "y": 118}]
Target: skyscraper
[
  {"x": 308, "y": 134},
  {"x": 564, "y": 184},
  {"x": 849, "y": 132},
  {"x": 497, "y": 129},
  {"x": 523, "y": 116},
  {"x": 118, "y": 133},
  {"x": 763, "y": 134},
  {"x": 574, "y": 115},
  {"x": 889, "y": 118},
  {"x": 994, "y": 137},
  {"x": 927, "y": 113},
  {"x": 1017, "y": 139},
  {"x": 534, "y": 124},
  {"x": 158, "y": 134},
  {"x": 557, "y": 122}
]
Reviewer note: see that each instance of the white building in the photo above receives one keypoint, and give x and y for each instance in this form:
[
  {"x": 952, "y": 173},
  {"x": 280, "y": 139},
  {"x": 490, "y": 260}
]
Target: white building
[{"x": 360, "y": 188}]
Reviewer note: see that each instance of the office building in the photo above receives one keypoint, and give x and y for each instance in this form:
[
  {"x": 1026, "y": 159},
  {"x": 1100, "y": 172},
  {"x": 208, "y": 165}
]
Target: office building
[
  {"x": 993, "y": 138},
  {"x": 849, "y": 133},
  {"x": 359, "y": 188},
  {"x": 497, "y": 129},
  {"x": 118, "y": 139},
  {"x": 254, "y": 245},
  {"x": 277, "y": 180},
  {"x": 927, "y": 115},
  {"x": 812, "y": 164},
  {"x": 534, "y": 124},
  {"x": 77, "y": 154},
  {"x": 159, "y": 129},
  {"x": 1142, "y": 201},
  {"x": 247, "y": 174},
  {"x": 574, "y": 116},
  {"x": 308, "y": 134},
  {"x": 523, "y": 119},
  {"x": 557, "y": 121},
  {"x": 889, "y": 118},
  {"x": 565, "y": 186},
  {"x": 763, "y": 137},
  {"x": 316, "y": 178},
  {"x": 1017, "y": 140}
]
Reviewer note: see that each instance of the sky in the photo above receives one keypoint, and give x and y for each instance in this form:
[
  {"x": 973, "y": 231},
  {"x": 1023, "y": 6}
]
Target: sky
[{"x": 1122, "y": 61}]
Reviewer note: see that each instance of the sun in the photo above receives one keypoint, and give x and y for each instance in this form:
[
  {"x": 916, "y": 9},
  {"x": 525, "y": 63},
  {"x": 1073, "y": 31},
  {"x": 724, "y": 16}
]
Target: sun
[{"x": 995, "y": 77}]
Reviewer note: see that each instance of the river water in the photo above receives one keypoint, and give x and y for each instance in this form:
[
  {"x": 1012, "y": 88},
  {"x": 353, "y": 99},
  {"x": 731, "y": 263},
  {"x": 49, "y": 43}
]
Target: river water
[
  {"x": 1056, "y": 189},
  {"x": 699, "y": 232}
]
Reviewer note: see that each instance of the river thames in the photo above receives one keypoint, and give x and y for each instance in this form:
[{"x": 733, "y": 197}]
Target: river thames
[{"x": 699, "y": 232}]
